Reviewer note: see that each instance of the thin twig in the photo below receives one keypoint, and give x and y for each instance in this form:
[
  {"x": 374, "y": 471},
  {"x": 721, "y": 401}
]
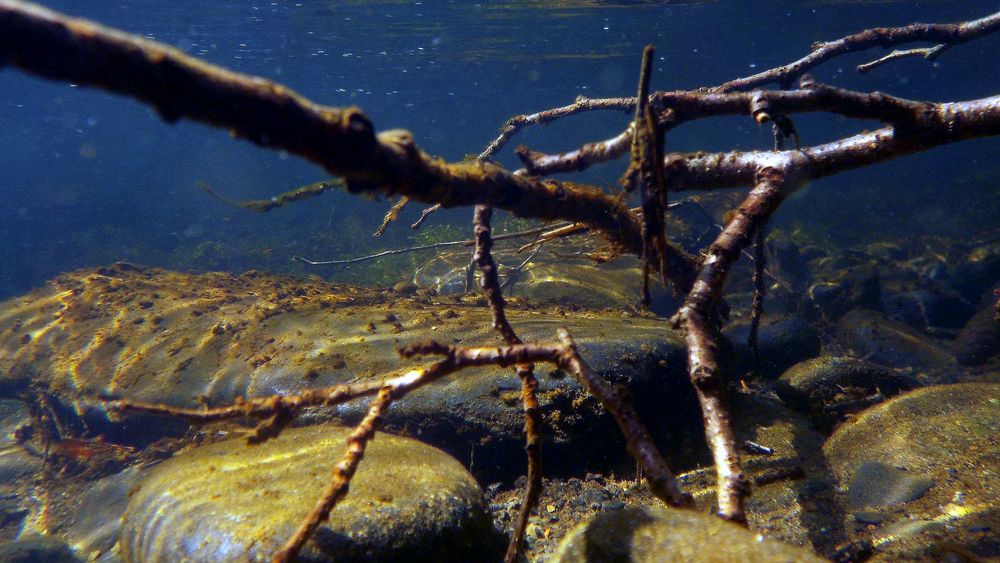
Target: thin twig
[
  {"x": 490, "y": 285},
  {"x": 340, "y": 479},
  {"x": 759, "y": 290},
  {"x": 432, "y": 246},
  {"x": 264, "y": 205},
  {"x": 945, "y": 34},
  {"x": 948, "y": 33},
  {"x": 514, "y": 274},
  {"x": 424, "y": 215},
  {"x": 928, "y": 53},
  {"x": 382, "y": 254},
  {"x": 391, "y": 215}
]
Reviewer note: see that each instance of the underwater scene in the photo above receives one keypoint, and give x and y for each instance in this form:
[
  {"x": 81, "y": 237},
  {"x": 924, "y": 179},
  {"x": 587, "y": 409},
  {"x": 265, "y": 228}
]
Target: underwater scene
[{"x": 441, "y": 280}]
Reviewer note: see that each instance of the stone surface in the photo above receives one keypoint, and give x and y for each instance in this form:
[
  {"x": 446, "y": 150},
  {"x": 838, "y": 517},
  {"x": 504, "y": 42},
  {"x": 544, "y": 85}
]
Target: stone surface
[
  {"x": 977, "y": 271},
  {"x": 945, "y": 433},
  {"x": 782, "y": 341},
  {"x": 876, "y": 484},
  {"x": 92, "y": 521},
  {"x": 843, "y": 289},
  {"x": 868, "y": 334},
  {"x": 925, "y": 309},
  {"x": 15, "y": 461},
  {"x": 232, "y": 502},
  {"x": 979, "y": 339},
  {"x": 652, "y": 534},
  {"x": 37, "y": 549},
  {"x": 551, "y": 279},
  {"x": 17, "y": 468},
  {"x": 188, "y": 340},
  {"x": 830, "y": 387}
]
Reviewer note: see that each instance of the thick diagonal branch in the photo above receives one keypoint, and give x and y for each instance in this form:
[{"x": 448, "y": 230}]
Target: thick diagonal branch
[
  {"x": 701, "y": 334},
  {"x": 341, "y": 140},
  {"x": 686, "y": 106},
  {"x": 933, "y": 124}
]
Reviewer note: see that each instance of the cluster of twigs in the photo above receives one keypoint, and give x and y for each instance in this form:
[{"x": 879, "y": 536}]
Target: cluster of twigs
[{"x": 344, "y": 141}]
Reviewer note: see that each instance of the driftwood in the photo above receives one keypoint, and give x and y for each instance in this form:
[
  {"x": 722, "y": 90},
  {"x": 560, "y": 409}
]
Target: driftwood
[{"x": 345, "y": 142}]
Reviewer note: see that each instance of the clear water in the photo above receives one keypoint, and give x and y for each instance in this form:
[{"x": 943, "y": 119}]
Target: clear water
[{"x": 91, "y": 178}]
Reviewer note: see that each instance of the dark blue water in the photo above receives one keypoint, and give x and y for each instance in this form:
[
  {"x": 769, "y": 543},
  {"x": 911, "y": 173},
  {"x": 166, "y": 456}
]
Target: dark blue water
[{"x": 89, "y": 178}]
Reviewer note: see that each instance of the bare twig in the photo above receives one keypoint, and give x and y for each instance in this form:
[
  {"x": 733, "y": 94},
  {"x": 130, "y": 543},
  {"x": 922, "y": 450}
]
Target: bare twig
[
  {"x": 424, "y": 214},
  {"x": 563, "y": 355},
  {"x": 344, "y": 141},
  {"x": 391, "y": 215},
  {"x": 928, "y": 53},
  {"x": 947, "y": 33},
  {"x": 264, "y": 205},
  {"x": 434, "y": 246},
  {"x": 490, "y": 285},
  {"x": 516, "y": 271},
  {"x": 382, "y": 254},
  {"x": 759, "y": 290},
  {"x": 539, "y": 164},
  {"x": 773, "y": 185},
  {"x": 582, "y": 104},
  {"x": 340, "y": 479}
]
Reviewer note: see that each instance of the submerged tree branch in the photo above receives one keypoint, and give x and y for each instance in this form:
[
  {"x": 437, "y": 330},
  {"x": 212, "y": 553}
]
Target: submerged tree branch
[
  {"x": 563, "y": 355},
  {"x": 885, "y": 37},
  {"x": 695, "y": 316},
  {"x": 946, "y": 35},
  {"x": 490, "y": 284},
  {"x": 343, "y": 140}
]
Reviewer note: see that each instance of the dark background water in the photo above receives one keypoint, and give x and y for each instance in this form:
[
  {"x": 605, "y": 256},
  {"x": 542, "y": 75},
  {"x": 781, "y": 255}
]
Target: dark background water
[{"x": 89, "y": 178}]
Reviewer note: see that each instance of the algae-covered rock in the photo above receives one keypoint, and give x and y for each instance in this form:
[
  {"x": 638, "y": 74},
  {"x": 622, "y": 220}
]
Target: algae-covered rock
[
  {"x": 233, "y": 502},
  {"x": 191, "y": 340},
  {"x": 830, "y": 387},
  {"x": 979, "y": 339},
  {"x": 782, "y": 341},
  {"x": 890, "y": 343},
  {"x": 846, "y": 289},
  {"x": 37, "y": 549},
  {"x": 932, "y": 457},
  {"x": 551, "y": 280},
  {"x": 653, "y": 533}
]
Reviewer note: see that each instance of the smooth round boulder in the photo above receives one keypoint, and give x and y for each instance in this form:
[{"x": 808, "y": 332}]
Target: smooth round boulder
[
  {"x": 830, "y": 387},
  {"x": 782, "y": 341},
  {"x": 979, "y": 339},
  {"x": 232, "y": 502},
  {"x": 650, "y": 534},
  {"x": 190, "y": 340},
  {"x": 869, "y": 334},
  {"x": 923, "y": 469}
]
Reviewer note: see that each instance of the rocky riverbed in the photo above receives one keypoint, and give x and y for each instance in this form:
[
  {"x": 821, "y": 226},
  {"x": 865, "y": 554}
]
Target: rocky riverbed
[{"x": 868, "y": 431}]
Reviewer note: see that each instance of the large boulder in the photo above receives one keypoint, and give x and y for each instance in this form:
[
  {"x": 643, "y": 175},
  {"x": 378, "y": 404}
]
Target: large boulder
[
  {"x": 648, "y": 534},
  {"x": 192, "y": 340},
  {"x": 232, "y": 502},
  {"x": 921, "y": 472},
  {"x": 869, "y": 334},
  {"x": 829, "y": 387}
]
